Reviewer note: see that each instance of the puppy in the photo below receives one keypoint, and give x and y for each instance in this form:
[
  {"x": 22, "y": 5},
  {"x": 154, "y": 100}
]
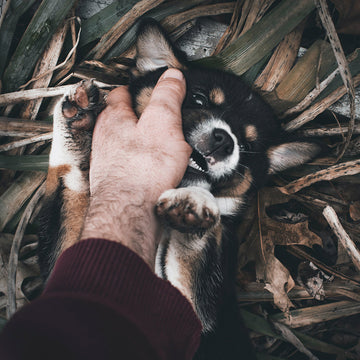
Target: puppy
[{"x": 237, "y": 143}]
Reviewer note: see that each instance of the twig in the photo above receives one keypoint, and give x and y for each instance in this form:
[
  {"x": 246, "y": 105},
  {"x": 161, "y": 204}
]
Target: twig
[
  {"x": 256, "y": 292},
  {"x": 23, "y": 142},
  {"x": 174, "y": 21},
  {"x": 25, "y": 95},
  {"x": 318, "y": 314},
  {"x": 14, "y": 254},
  {"x": 327, "y": 131},
  {"x": 300, "y": 253},
  {"x": 332, "y": 172},
  {"x": 342, "y": 63},
  {"x": 319, "y": 107},
  {"x": 334, "y": 222},
  {"x": 72, "y": 58},
  {"x": 349, "y": 294},
  {"x": 312, "y": 95},
  {"x": 294, "y": 340}
]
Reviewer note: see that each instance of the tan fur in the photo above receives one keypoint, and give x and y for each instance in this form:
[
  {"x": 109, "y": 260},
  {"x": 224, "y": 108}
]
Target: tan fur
[
  {"x": 188, "y": 257},
  {"x": 53, "y": 177},
  {"x": 251, "y": 133},
  {"x": 143, "y": 99},
  {"x": 74, "y": 210},
  {"x": 154, "y": 46},
  {"x": 81, "y": 97},
  {"x": 217, "y": 96},
  {"x": 237, "y": 187}
]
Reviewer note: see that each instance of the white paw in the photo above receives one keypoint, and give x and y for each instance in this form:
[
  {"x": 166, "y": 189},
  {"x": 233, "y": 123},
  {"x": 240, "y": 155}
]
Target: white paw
[{"x": 190, "y": 209}]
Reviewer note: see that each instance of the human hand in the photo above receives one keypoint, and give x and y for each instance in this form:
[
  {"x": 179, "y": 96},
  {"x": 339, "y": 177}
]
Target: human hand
[{"x": 133, "y": 162}]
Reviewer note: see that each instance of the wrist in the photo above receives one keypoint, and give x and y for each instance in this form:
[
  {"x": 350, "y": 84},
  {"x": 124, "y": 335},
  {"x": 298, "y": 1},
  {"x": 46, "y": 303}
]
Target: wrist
[{"x": 125, "y": 216}]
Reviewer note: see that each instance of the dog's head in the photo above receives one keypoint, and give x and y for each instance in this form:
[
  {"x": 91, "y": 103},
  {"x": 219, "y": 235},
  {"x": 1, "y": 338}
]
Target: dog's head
[{"x": 235, "y": 137}]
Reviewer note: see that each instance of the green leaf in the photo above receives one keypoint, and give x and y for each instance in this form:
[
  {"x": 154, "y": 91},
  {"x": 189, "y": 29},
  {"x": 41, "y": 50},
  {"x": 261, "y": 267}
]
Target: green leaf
[
  {"x": 257, "y": 42},
  {"x": 17, "y": 8},
  {"x": 264, "y": 327},
  {"x": 25, "y": 163},
  {"x": 158, "y": 14},
  {"x": 43, "y": 25},
  {"x": 101, "y": 22}
]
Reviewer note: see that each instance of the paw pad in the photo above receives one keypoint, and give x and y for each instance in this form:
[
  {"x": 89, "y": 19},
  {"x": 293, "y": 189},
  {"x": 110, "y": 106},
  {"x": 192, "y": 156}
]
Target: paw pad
[
  {"x": 187, "y": 211},
  {"x": 81, "y": 108}
]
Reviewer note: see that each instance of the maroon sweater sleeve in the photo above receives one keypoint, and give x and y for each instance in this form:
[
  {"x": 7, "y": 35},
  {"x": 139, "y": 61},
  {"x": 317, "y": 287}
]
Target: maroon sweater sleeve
[{"x": 103, "y": 302}]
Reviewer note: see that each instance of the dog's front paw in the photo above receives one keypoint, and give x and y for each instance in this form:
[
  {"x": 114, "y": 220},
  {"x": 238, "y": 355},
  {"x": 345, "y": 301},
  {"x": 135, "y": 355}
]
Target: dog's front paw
[
  {"x": 81, "y": 107},
  {"x": 188, "y": 209}
]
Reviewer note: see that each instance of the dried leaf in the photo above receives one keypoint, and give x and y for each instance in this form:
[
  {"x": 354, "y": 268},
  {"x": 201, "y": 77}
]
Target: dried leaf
[
  {"x": 260, "y": 246},
  {"x": 354, "y": 211}
]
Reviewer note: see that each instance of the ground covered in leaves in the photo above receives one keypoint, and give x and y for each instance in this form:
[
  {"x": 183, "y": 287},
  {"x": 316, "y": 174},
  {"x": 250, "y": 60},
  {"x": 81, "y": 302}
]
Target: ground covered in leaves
[{"x": 299, "y": 259}]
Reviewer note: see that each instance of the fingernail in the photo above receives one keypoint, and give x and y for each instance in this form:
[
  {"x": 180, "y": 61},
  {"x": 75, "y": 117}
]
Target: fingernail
[{"x": 173, "y": 74}]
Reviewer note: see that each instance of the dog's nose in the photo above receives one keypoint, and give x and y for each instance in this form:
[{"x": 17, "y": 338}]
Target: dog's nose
[{"x": 222, "y": 144}]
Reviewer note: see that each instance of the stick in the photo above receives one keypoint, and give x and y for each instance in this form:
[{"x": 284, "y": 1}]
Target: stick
[
  {"x": 318, "y": 314},
  {"x": 332, "y": 172},
  {"x": 343, "y": 65},
  {"x": 302, "y": 254},
  {"x": 319, "y": 107},
  {"x": 327, "y": 131},
  {"x": 23, "y": 142},
  {"x": 25, "y": 95},
  {"x": 174, "y": 21},
  {"x": 294, "y": 340},
  {"x": 334, "y": 222},
  {"x": 312, "y": 95}
]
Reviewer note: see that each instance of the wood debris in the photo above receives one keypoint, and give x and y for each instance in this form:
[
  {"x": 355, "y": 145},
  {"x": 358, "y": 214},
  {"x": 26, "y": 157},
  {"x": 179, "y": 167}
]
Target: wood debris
[{"x": 299, "y": 259}]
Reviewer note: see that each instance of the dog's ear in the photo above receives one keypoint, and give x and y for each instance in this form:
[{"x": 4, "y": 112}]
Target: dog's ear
[
  {"x": 155, "y": 50},
  {"x": 291, "y": 154}
]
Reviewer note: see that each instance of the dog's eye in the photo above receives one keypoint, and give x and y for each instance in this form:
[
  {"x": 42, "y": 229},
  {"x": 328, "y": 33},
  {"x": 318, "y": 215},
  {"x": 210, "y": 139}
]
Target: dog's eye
[
  {"x": 199, "y": 99},
  {"x": 245, "y": 147}
]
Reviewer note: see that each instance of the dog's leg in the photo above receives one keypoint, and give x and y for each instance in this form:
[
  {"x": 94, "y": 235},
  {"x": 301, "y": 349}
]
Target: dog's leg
[
  {"x": 189, "y": 255},
  {"x": 67, "y": 186}
]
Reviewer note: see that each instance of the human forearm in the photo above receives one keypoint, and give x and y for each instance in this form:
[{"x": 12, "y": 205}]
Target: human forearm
[{"x": 133, "y": 224}]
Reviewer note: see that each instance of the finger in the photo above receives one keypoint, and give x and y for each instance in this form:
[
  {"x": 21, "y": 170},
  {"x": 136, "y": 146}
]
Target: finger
[
  {"x": 116, "y": 119},
  {"x": 119, "y": 105},
  {"x": 166, "y": 100}
]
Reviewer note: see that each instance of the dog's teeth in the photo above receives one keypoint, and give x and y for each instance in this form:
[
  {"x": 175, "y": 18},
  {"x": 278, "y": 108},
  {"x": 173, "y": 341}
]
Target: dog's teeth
[{"x": 194, "y": 165}]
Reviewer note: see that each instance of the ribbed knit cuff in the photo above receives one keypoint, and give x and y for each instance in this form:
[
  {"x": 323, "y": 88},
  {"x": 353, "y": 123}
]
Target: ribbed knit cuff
[{"x": 109, "y": 273}]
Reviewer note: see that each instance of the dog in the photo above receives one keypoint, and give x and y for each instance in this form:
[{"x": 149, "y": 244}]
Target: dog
[{"x": 237, "y": 144}]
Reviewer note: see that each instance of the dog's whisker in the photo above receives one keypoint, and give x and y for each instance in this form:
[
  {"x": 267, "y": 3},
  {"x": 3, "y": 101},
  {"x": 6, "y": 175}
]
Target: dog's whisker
[{"x": 249, "y": 152}]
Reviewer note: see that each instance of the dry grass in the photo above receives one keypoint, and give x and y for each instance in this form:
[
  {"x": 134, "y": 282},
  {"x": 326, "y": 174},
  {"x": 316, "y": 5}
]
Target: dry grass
[{"x": 316, "y": 284}]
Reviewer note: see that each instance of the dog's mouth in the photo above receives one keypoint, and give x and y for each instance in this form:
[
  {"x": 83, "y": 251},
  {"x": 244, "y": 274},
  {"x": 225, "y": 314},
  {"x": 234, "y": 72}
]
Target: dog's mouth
[{"x": 198, "y": 162}]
